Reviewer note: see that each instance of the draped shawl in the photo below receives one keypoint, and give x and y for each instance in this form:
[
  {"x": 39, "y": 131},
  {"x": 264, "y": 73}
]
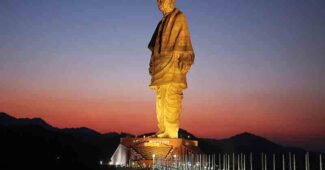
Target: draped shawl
[{"x": 170, "y": 45}]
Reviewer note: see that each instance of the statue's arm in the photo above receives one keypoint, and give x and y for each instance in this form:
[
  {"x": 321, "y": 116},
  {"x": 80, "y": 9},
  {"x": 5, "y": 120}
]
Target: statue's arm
[
  {"x": 186, "y": 54},
  {"x": 151, "y": 46}
]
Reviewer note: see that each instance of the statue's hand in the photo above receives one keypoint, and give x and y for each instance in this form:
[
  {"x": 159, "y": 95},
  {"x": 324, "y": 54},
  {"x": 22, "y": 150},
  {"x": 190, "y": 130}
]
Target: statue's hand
[
  {"x": 151, "y": 66},
  {"x": 183, "y": 65}
]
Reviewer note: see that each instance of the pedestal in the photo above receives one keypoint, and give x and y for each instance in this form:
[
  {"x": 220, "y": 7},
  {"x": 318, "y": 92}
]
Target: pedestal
[{"x": 144, "y": 151}]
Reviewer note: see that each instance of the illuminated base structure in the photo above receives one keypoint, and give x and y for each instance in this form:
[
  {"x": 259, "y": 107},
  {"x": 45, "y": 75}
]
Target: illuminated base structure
[{"x": 146, "y": 152}]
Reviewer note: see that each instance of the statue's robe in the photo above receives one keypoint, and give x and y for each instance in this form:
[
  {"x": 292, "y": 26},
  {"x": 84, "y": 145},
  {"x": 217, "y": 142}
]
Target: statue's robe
[
  {"x": 170, "y": 44},
  {"x": 172, "y": 56}
]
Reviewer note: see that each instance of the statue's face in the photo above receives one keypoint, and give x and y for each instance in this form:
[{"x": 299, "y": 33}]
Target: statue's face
[{"x": 165, "y": 6}]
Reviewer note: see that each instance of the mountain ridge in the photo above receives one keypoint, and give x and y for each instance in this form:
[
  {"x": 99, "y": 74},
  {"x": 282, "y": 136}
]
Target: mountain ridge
[
  {"x": 36, "y": 144},
  {"x": 7, "y": 120}
]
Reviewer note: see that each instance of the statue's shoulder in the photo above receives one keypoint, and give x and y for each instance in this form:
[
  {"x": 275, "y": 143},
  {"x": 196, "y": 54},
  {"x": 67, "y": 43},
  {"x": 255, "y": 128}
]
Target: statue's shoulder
[{"x": 179, "y": 15}]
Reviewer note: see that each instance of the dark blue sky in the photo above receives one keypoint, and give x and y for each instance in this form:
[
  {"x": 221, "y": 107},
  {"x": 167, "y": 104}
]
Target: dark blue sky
[
  {"x": 274, "y": 39},
  {"x": 259, "y": 61}
]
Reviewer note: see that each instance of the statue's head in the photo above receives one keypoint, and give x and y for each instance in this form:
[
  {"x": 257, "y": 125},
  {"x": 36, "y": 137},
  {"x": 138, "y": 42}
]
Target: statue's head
[{"x": 166, "y": 6}]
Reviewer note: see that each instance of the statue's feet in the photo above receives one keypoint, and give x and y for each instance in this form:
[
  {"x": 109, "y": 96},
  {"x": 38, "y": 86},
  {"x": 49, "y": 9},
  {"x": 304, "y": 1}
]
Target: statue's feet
[
  {"x": 159, "y": 132},
  {"x": 163, "y": 135},
  {"x": 156, "y": 134},
  {"x": 167, "y": 135}
]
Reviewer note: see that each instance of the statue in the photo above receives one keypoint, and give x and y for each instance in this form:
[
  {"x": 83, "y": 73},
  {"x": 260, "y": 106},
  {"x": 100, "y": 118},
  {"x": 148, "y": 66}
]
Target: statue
[{"x": 171, "y": 59}]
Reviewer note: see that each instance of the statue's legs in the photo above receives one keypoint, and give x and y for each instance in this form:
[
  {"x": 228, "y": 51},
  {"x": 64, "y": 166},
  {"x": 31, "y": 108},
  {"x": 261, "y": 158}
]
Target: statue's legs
[
  {"x": 160, "y": 109},
  {"x": 169, "y": 107}
]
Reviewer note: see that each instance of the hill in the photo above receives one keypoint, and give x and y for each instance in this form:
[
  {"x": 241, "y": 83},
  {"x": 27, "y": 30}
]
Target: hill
[{"x": 34, "y": 144}]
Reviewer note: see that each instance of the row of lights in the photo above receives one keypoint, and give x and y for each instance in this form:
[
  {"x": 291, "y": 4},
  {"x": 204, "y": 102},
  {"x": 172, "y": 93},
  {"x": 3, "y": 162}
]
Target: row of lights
[
  {"x": 154, "y": 155},
  {"x": 188, "y": 137}
]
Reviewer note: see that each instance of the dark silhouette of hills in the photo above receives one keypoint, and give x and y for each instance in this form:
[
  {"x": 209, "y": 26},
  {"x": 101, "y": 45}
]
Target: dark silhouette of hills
[
  {"x": 8, "y": 120},
  {"x": 82, "y": 132},
  {"x": 244, "y": 142},
  {"x": 34, "y": 144},
  {"x": 5, "y": 117}
]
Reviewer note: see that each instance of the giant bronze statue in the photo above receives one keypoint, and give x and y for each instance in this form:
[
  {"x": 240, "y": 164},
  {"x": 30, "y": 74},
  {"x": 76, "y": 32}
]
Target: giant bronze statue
[{"x": 171, "y": 59}]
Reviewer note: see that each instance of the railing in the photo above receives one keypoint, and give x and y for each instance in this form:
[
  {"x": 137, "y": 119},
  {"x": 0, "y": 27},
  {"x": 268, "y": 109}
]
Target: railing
[{"x": 241, "y": 161}]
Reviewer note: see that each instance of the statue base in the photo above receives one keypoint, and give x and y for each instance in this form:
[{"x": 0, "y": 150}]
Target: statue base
[{"x": 142, "y": 152}]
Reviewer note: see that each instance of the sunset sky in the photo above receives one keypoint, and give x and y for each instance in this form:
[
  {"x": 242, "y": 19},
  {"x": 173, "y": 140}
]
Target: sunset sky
[{"x": 260, "y": 66}]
